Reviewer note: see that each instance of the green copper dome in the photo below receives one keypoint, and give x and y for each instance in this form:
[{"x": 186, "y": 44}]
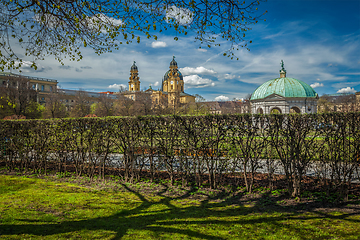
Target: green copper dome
[{"x": 286, "y": 87}]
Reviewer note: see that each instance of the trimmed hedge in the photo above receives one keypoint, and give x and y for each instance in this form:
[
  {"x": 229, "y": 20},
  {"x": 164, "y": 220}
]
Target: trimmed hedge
[{"x": 192, "y": 147}]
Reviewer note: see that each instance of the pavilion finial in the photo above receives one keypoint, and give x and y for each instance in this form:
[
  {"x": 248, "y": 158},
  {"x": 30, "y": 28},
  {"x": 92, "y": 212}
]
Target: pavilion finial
[
  {"x": 282, "y": 65},
  {"x": 282, "y": 71}
]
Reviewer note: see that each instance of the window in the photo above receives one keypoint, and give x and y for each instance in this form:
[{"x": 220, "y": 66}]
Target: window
[
  {"x": 51, "y": 88},
  {"x": 4, "y": 83},
  {"x": 34, "y": 86},
  {"x": 42, "y": 88},
  {"x": 172, "y": 87}
]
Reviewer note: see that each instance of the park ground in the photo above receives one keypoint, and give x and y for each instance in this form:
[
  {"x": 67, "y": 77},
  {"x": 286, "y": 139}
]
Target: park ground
[{"x": 68, "y": 207}]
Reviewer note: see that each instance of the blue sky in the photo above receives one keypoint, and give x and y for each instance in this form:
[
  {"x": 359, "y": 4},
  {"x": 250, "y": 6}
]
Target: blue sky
[{"x": 319, "y": 41}]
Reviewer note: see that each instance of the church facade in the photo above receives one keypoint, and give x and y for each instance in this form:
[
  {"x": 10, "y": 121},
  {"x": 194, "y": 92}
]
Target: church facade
[{"x": 172, "y": 87}]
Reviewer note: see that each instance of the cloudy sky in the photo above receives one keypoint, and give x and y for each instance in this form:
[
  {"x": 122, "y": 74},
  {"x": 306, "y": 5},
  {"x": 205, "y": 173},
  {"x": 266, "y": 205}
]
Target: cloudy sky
[{"x": 319, "y": 41}]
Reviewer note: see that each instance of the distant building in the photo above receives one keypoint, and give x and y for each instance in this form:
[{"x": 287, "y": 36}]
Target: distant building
[
  {"x": 42, "y": 86},
  {"x": 284, "y": 95},
  {"x": 339, "y": 102},
  {"x": 48, "y": 88},
  {"x": 71, "y": 97}
]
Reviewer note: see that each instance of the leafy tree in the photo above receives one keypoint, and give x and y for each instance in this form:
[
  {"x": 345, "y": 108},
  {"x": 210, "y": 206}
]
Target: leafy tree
[
  {"x": 122, "y": 106},
  {"x": 324, "y": 104},
  {"x": 143, "y": 104},
  {"x": 196, "y": 108},
  {"x": 104, "y": 107},
  {"x": 6, "y": 107},
  {"x": 34, "y": 110},
  {"x": 18, "y": 98},
  {"x": 61, "y": 27},
  {"x": 82, "y": 106},
  {"x": 199, "y": 98},
  {"x": 54, "y": 108}
]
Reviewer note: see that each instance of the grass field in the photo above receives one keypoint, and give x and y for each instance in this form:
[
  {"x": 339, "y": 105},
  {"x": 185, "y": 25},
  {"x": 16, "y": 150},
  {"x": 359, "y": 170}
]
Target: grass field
[{"x": 32, "y": 208}]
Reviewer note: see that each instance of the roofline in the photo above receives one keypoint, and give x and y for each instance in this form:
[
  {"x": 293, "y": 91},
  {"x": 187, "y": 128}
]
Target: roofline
[{"x": 28, "y": 77}]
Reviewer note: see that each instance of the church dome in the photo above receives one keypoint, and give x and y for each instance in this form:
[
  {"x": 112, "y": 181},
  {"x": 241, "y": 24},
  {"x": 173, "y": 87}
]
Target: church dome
[
  {"x": 285, "y": 87},
  {"x": 166, "y": 76}
]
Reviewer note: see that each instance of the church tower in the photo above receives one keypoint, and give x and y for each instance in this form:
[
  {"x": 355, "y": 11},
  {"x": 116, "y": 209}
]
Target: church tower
[
  {"x": 173, "y": 83},
  {"x": 134, "y": 83}
]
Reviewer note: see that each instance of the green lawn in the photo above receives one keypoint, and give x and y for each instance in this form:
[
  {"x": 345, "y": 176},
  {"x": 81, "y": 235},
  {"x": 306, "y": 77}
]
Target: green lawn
[{"x": 32, "y": 208}]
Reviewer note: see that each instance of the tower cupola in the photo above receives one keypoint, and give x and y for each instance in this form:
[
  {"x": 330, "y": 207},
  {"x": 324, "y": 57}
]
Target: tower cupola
[
  {"x": 134, "y": 67},
  {"x": 173, "y": 63}
]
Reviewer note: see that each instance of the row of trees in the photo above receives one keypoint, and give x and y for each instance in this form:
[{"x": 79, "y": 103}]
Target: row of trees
[
  {"x": 81, "y": 105},
  {"x": 18, "y": 97},
  {"x": 195, "y": 149}
]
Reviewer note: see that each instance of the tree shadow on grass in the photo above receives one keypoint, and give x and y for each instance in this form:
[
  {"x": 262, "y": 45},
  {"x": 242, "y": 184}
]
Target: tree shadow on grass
[{"x": 177, "y": 219}]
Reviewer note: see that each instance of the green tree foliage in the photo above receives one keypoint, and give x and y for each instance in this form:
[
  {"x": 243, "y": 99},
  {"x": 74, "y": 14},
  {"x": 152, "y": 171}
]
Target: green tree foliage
[
  {"x": 61, "y": 28},
  {"x": 103, "y": 108},
  {"x": 34, "y": 110},
  {"x": 197, "y": 108},
  {"x": 6, "y": 107},
  {"x": 18, "y": 98}
]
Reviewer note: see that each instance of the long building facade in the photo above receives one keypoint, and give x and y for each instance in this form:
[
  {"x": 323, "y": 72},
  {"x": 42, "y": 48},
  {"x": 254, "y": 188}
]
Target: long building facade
[{"x": 43, "y": 86}]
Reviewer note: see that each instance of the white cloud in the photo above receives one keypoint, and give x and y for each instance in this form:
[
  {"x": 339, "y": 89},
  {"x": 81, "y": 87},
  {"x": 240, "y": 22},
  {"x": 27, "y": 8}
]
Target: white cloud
[
  {"x": 158, "y": 44},
  {"x": 49, "y": 20},
  {"x": 202, "y": 50},
  {"x": 106, "y": 19},
  {"x": 221, "y": 98},
  {"x": 26, "y": 66},
  {"x": 101, "y": 22},
  {"x": 347, "y": 90},
  {"x": 181, "y": 15},
  {"x": 315, "y": 85},
  {"x": 229, "y": 76},
  {"x": 117, "y": 86},
  {"x": 156, "y": 84},
  {"x": 198, "y": 70},
  {"x": 194, "y": 81}
]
